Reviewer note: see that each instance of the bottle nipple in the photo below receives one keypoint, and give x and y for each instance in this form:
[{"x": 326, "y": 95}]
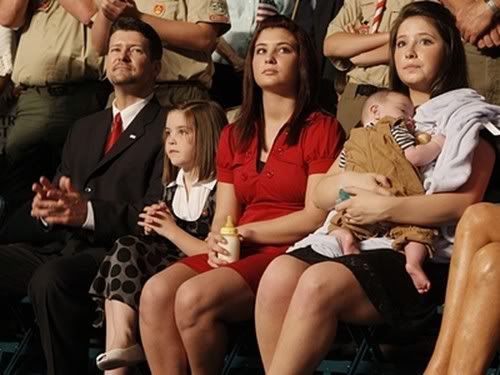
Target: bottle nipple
[{"x": 229, "y": 228}]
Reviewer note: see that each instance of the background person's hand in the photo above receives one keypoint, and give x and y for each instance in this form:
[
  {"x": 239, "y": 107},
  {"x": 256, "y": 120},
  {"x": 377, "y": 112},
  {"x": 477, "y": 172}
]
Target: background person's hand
[
  {"x": 491, "y": 39},
  {"x": 112, "y": 9},
  {"x": 473, "y": 20}
]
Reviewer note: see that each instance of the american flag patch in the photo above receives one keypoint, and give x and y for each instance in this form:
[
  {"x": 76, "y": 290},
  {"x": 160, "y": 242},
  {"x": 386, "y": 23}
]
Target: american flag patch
[{"x": 266, "y": 8}]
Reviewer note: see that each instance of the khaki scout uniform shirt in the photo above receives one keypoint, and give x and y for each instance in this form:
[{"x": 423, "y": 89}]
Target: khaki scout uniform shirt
[
  {"x": 55, "y": 48},
  {"x": 182, "y": 64},
  {"x": 360, "y": 12}
]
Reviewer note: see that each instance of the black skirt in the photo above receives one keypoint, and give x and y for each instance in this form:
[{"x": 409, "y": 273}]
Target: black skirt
[{"x": 383, "y": 277}]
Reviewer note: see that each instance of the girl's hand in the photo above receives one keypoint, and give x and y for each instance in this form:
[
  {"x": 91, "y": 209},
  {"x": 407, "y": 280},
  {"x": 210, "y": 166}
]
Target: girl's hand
[
  {"x": 158, "y": 219},
  {"x": 365, "y": 206},
  {"x": 213, "y": 241},
  {"x": 372, "y": 182}
]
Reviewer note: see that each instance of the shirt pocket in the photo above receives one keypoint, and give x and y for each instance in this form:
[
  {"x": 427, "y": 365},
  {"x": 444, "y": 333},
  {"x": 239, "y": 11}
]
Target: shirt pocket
[
  {"x": 367, "y": 11},
  {"x": 390, "y": 16}
]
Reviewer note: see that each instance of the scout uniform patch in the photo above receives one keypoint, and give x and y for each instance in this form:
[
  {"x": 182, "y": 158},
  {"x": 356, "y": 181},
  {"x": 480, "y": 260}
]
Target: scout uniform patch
[
  {"x": 218, "y": 11},
  {"x": 158, "y": 9}
]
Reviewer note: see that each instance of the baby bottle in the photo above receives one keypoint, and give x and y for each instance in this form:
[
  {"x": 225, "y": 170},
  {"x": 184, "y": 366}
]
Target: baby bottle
[{"x": 230, "y": 233}]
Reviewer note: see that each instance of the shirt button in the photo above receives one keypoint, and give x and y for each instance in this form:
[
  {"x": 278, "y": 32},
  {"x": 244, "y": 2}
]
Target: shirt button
[
  {"x": 280, "y": 149},
  {"x": 87, "y": 189},
  {"x": 269, "y": 174}
]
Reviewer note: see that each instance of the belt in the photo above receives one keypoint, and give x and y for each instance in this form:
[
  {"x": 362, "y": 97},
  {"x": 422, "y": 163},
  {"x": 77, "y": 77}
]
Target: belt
[
  {"x": 53, "y": 90},
  {"x": 366, "y": 90}
]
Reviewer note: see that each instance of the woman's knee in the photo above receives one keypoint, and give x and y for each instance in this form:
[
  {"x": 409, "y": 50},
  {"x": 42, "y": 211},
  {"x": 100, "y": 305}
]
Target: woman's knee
[
  {"x": 156, "y": 295},
  {"x": 478, "y": 217},
  {"x": 485, "y": 266},
  {"x": 322, "y": 288},
  {"x": 278, "y": 282},
  {"x": 192, "y": 302}
]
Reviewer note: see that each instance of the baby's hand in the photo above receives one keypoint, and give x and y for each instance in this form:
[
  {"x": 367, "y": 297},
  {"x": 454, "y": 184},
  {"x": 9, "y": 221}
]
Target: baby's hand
[{"x": 439, "y": 139}]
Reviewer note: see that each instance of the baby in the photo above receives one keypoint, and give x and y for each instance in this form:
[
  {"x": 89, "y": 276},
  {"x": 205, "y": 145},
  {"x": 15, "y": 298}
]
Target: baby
[{"x": 386, "y": 145}]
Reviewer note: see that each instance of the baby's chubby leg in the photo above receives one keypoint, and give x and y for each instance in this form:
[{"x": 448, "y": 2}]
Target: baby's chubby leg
[
  {"x": 346, "y": 240},
  {"x": 415, "y": 255}
]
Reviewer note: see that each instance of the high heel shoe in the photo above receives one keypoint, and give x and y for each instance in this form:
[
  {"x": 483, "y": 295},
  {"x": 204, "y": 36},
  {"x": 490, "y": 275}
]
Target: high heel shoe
[{"x": 115, "y": 358}]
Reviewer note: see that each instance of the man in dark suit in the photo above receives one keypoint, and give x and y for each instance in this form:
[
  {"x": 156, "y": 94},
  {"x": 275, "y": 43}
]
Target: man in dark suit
[{"x": 111, "y": 167}]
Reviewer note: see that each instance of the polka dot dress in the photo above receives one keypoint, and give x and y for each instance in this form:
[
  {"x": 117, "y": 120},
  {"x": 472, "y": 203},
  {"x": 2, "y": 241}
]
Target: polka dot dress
[{"x": 133, "y": 260}]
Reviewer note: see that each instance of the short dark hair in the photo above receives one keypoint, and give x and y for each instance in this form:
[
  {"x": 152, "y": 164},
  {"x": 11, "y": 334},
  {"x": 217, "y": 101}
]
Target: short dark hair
[
  {"x": 453, "y": 70},
  {"x": 133, "y": 24},
  {"x": 307, "y": 90}
]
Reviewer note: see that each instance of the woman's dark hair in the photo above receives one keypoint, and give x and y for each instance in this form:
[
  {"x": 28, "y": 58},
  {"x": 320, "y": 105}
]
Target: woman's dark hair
[
  {"x": 307, "y": 86},
  {"x": 133, "y": 24},
  {"x": 453, "y": 70}
]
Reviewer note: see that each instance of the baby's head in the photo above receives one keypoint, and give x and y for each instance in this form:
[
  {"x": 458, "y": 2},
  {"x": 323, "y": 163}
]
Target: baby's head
[{"x": 386, "y": 103}]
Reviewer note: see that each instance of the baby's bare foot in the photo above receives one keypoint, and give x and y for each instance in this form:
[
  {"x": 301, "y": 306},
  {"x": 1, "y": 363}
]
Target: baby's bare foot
[
  {"x": 418, "y": 277},
  {"x": 347, "y": 241}
]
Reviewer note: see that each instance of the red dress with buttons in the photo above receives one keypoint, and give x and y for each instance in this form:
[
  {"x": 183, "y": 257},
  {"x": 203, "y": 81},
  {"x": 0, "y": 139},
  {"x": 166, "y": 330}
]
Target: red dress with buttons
[{"x": 278, "y": 189}]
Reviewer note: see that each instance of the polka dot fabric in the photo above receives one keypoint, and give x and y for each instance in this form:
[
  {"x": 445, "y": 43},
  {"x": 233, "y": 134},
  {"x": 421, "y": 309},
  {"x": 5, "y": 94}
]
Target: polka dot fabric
[{"x": 133, "y": 260}]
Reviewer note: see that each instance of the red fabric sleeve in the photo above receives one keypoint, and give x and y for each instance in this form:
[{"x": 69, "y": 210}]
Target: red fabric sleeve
[
  {"x": 225, "y": 155},
  {"x": 323, "y": 140}
]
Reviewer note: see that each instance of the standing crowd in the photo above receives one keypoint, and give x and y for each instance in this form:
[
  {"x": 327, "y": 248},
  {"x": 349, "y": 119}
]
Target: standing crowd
[{"x": 115, "y": 194}]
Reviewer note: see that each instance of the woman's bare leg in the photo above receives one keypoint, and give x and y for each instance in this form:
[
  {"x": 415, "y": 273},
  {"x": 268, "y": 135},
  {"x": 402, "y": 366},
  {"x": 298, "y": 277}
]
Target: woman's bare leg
[
  {"x": 474, "y": 231},
  {"x": 478, "y": 332},
  {"x": 273, "y": 297},
  {"x": 203, "y": 307},
  {"x": 160, "y": 338},
  {"x": 326, "y": 293},
  {"x": 121, "y": 329}
]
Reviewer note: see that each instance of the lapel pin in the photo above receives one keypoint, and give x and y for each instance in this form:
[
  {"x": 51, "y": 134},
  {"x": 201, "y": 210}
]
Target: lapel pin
[{"x": 132, "y": 136}]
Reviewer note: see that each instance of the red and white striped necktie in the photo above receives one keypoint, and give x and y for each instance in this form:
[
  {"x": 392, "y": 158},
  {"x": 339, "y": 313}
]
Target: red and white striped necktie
[
  {"x": 377, "y": 16},
  {"x": 266, "y": 8}
]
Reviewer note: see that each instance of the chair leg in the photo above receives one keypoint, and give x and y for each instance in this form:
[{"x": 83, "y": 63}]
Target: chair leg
[
  {"x": 233, "y": 353},
  {"x": 20, "y": 350}
]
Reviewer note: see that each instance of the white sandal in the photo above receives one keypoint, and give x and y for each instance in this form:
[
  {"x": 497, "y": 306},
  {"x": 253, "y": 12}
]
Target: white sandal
[{"x": 115, "y": 358}]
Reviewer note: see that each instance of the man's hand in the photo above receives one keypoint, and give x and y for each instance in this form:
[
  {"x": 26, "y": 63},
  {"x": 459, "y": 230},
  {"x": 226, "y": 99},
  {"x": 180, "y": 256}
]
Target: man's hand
[
  {"x": 473, "y": 19},
  {"x": 491, "y": 39},
  {"x": 45, "y": 193},
  {"x": 112, "y": 9},
  {"x": 131, "y": 9},
  {"x": 61, "y": 205}
]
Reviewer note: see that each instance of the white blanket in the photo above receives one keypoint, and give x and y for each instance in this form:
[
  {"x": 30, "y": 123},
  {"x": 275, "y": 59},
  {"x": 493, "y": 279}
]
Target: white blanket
[{"x": 458, "y": 115}]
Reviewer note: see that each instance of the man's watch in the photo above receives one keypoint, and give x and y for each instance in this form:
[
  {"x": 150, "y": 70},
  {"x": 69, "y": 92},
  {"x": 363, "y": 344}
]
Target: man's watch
[{"x": 493, "y": 7}]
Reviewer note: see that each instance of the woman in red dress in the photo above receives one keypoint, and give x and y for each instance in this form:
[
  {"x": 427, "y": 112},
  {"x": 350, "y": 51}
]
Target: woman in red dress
[{"x": 268, "y": 164}]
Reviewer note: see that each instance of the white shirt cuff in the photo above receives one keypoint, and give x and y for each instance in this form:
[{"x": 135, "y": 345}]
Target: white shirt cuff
[{"x": 89, "y": 221}]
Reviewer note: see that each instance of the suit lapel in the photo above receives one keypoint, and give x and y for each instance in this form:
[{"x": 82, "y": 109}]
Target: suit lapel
[
  {"x": 98, "y": 139},
  {"x": 133, "y": 132}
]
